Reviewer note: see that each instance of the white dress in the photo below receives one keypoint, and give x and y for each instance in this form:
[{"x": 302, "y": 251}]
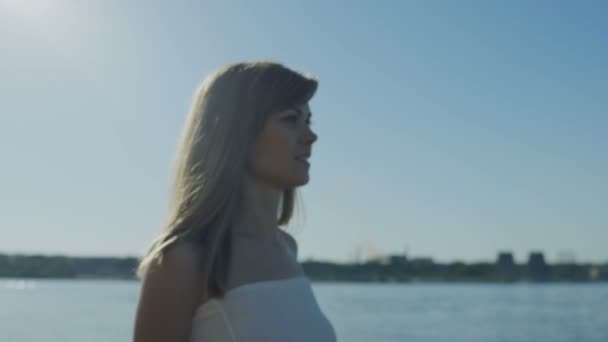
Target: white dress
[{"x": 284, "y": 310}]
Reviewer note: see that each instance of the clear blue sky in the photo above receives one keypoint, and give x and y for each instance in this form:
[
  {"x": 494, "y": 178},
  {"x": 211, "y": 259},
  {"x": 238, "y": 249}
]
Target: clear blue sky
[{"x": 452, "y": 129}]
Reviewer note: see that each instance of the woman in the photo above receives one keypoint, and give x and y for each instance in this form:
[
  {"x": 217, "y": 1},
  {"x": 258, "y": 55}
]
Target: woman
[{"x": 223, "y": 269}]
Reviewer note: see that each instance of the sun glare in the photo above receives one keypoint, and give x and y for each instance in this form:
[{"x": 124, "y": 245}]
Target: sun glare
[{"x": 28, "y": 9}]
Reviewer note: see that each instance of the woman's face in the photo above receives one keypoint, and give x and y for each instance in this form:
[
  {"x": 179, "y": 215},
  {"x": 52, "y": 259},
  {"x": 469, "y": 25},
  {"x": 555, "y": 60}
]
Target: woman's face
[{"x": 280, "y": 155}]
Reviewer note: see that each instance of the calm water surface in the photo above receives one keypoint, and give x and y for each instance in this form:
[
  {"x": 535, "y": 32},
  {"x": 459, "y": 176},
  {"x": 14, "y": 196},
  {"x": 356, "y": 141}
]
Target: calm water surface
[{"x": 94, "y": 310}]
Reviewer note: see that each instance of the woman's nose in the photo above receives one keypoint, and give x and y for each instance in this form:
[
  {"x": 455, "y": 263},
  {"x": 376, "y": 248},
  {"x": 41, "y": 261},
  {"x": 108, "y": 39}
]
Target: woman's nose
[{"x": 310, "y": 136}]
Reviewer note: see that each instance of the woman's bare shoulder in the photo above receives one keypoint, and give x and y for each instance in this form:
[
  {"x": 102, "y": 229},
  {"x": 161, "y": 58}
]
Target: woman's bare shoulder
[{"x": 170, "y": 294}]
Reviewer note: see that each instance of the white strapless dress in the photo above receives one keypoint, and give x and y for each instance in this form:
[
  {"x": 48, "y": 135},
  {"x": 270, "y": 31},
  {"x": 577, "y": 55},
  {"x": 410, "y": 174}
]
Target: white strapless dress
[{"x": 284, "y": 310}]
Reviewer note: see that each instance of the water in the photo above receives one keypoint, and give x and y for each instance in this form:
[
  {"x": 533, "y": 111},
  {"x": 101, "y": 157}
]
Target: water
[
  {"x": 459, "y": 313},
  {"x": 103, "y": 310}
]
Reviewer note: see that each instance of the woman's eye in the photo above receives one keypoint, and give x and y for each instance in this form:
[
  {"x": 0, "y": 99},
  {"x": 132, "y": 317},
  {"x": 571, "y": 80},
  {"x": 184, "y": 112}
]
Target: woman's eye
[{"x": 292, "y": 119}]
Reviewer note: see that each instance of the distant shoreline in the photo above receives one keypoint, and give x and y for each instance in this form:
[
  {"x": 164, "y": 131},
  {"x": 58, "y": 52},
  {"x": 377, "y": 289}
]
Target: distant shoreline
[
  {"x": 396, "y": 270},
  {"x": 4, "y": 279}
]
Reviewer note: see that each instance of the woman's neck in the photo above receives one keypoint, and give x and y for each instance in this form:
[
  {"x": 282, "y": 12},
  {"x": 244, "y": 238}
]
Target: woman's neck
[{"x": 258, "y": 218}]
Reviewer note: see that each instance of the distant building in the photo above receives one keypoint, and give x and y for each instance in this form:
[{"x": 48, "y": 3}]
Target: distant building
[
  {"x": 398, "y": 260},
  {"x": 598, "y": 273},
  {"x": 538, "y": 270},
  {"x": 423, "y": 261},
  {"x": 603, "y": 272},
  {"x": 505, "y": 266},
  {"x": 594, "y": 273},
  {"x": 378, "y": 260}
]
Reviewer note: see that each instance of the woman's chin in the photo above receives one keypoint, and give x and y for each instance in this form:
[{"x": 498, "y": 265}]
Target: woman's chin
[{"x": 300, "y": 181}]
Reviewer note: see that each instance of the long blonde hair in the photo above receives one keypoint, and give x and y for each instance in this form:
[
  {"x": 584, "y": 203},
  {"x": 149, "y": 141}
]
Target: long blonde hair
[{"x": 228, "y": 112}]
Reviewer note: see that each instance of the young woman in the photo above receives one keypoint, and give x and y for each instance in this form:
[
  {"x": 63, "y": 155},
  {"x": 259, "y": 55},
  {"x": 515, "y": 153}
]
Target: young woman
[{"x": 223, "y": 268}]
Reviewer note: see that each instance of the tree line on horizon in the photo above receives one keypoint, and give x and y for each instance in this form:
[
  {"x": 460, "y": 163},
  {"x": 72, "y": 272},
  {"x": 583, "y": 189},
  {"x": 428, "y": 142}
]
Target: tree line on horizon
[{"x": 395, "y": 270}]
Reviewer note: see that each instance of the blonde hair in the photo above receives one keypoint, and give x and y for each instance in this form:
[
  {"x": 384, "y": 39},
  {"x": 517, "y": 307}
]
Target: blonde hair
[{"x": 228, "y": 112}]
